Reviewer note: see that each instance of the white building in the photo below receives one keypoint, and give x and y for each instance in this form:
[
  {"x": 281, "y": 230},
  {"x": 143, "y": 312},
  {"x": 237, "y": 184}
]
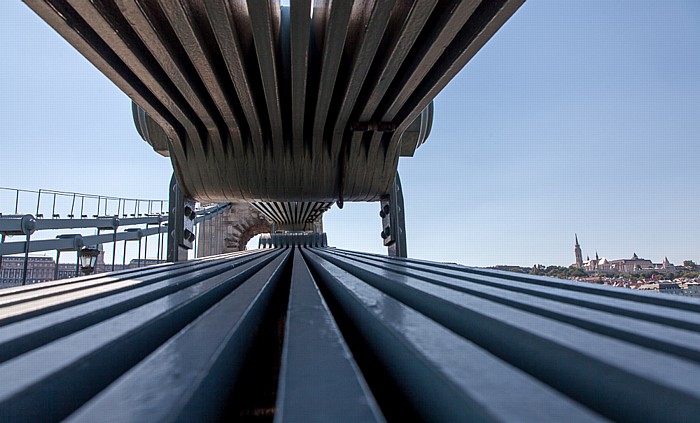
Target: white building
[{"x": 631, "y": 265}]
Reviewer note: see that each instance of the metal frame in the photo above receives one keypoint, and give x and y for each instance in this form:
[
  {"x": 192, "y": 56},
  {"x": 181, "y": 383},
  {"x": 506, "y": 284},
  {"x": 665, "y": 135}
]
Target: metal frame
[{"x": 315, "y": 96}]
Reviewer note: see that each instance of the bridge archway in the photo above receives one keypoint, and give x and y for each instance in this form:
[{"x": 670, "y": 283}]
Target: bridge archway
[{"x": 237, "y": 225}]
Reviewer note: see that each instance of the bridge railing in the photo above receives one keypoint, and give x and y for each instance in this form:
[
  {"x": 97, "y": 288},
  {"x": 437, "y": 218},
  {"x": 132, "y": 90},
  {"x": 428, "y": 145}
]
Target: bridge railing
[
  {"x": 82, "y": 206},
  {"x": 146, "y": 219}
]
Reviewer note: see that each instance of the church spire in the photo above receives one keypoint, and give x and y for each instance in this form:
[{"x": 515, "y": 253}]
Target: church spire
[
  {"x": 666, "y": 264},
  {"x": 577, "y": 253}
]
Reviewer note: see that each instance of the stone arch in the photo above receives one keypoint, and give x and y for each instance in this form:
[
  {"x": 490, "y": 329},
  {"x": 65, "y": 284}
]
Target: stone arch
[{"x": 239, "y": 224}]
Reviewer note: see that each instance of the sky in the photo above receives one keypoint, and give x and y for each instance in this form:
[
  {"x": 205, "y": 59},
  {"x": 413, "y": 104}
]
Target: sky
[{"x": 576, "y": 117}]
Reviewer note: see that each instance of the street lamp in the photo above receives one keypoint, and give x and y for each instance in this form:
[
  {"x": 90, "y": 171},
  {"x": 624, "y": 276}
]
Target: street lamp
[
  {"x": 77, "y": 245},
  {"x": 88, "y": 258}
]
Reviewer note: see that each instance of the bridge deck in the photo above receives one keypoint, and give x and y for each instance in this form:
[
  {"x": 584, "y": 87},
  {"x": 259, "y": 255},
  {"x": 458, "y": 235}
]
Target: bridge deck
[{"x": 320, "y": 334}]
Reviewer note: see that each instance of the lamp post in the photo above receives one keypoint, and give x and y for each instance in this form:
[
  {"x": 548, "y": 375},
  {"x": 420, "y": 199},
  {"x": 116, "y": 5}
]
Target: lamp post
[{"x": 88, "y": 258}]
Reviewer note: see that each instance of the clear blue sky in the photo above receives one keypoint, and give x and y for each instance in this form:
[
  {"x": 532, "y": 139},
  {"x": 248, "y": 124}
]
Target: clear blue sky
[{"x": 577, "y": 117}]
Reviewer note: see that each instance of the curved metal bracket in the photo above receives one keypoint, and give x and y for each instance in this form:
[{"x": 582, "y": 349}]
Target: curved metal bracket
[{"x": 394, "y": 220}]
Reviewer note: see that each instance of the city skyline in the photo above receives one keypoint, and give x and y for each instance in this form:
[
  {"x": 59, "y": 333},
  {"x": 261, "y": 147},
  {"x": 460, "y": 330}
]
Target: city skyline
[{"x": 574, "y": 118}]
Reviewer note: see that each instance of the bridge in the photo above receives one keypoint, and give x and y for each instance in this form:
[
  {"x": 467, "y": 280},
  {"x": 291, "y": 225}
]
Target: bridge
[{"x": 271, "y": 114}]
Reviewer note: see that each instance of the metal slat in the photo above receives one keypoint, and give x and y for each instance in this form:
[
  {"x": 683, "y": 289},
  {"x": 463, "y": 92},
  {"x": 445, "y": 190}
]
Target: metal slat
[
  {"x": 33, "y": 330},
  {"x": 676, "y": 312},
  {"x": 362, "y": 46},
  {"x": 445, "y": 23},
  {"x": 289, "y": 211},
  {"x": 483, "y": 24},
  {"x": 226, "y": 22},
  {"x": 411, "y": 19},
  {"x": 279, "y": 207},
  {"x": 265, "y": 22},
  {"x": 222, "y": 19},
  {"x": 396, "y": 46},
  {"x": 35, "y": 288},
  {"x": 46, "y": 300},
  {"x": 183, "y": 23},
  {"x": 443, "y": 26},
  {"x": 256, "y": 100},
  {"x": 656, "y": 336},
  {"x": 292, "y": 213},
  {"x": 319, "y": 379},
  {"x": 211, "y": 135},
  {"x": 446, "y": 341},
  {"x": 153, "y": 35},
  {"x": 248, "y": 84},
  {"x": 63, "y": 377},
  {"x": 299, "y": 32},
  {"x": 674, "y": 304},
  {"x": 297, "y": 211},
  {"x": 572, "y": 360},
  {"x": 304, "y": 211},
  {"x": 330, "y": 25},
  {"x": 182, "y": 18},
  {"x": 446, "y": 377},
  {"x": 198, "y": 368},
  {"x": 116, "y": 32},
  {"x": 20, "y": 293},
  {"x": 265, "y": 209},
  {"x": 107, "y": 22}
]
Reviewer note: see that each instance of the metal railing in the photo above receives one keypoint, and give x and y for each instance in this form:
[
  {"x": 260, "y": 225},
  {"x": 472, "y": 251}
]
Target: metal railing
[
  {"x": 81, "y": 205},
  {"x": 138, "y": 225}
]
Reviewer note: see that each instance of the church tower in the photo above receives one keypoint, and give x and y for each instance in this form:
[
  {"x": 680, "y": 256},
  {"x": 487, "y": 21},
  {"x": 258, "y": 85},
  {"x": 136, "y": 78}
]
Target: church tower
[{"x": 577, "y": 251}]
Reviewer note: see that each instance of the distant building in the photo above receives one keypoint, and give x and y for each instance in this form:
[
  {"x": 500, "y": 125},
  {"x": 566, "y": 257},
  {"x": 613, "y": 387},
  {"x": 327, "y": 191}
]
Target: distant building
[
  {"x": 39, "y": 269},
  {"x": 44, "y": 269},
  {"x": 667, "y": 287},
  {"x": 634, "y": 264},
  {"x": 689, "y": 289},
  {"x": 141, "y": 263},
  {"x": 692, "y": 289},
  {"x": 631, "y": 265}
]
